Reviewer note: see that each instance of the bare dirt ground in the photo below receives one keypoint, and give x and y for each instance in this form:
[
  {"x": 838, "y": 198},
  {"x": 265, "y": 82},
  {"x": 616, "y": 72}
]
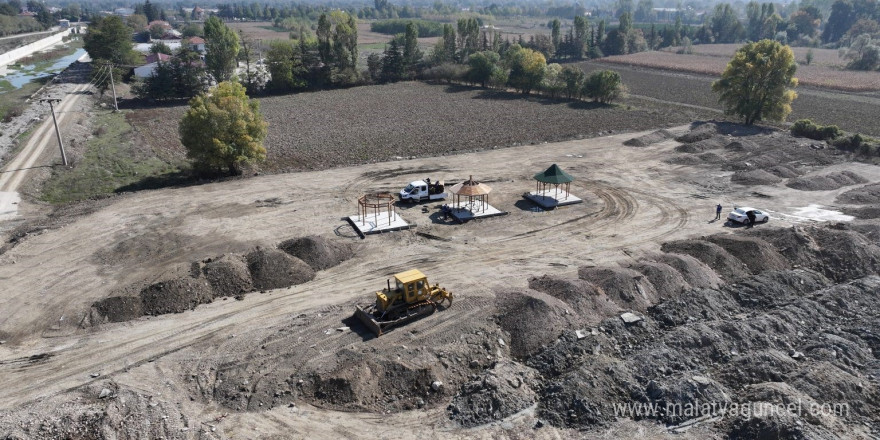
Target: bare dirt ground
[{"x": 504, "y": 360}]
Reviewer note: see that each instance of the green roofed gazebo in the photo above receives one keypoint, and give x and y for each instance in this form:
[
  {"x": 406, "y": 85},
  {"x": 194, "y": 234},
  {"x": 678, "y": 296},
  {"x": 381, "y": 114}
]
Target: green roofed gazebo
[{"x": 553, "y": 176}]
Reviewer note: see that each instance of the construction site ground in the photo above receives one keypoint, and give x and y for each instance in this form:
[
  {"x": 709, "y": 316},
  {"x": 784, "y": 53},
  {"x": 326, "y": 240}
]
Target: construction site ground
[{"x": 169, "y": 370}]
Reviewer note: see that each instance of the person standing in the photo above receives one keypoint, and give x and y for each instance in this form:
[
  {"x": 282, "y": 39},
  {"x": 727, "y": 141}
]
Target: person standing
[{"x": 718, "y": 212}]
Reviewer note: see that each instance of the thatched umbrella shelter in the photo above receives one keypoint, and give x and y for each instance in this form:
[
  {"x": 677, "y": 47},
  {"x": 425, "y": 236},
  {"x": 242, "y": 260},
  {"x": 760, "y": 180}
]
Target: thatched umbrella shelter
[
  {"x": 553, "y": 176},
  {"x": 473, "y": 190}
]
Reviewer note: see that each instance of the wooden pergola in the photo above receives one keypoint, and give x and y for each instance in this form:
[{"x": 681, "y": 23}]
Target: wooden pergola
[
  {"x": 473, "y": 190},
  {"x": 553, "y": 176},
  {"x": 376, "y": 203}
]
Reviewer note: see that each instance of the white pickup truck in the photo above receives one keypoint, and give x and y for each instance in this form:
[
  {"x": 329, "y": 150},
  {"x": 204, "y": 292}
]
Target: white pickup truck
[{"x": 421, "y": 190}]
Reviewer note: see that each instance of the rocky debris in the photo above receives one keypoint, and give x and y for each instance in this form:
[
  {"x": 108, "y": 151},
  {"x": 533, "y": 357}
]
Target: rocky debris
[
  {"x": 584, "y": 298},
  {"x": 700, "y": 132},
  {"x": 531, "y": 319},
  {"x": 316, "y": 251},
  {"x": 494, "y": 394},
  {"x": 119, "y": 308},
  {"x": 683, "y": 159},
  {"x": 742, "y": 145},
  {"x": 758, "y": 255},
  {"x": 865, "y": 195},
  {"x": 714, "y": 256},
  {"x": 273, "y": 269},
  {"x": 754, "y": 177},
  {"x": 175, "y": 295},
  {"x": 784, "y": 171},
  {"x": 649, "y": 139},
  {"x": 228, "y": 275},
  {"x": 710, "y": 157},
  {"x": 627, "y": 288},
  {"x": 826, "y": 182}
]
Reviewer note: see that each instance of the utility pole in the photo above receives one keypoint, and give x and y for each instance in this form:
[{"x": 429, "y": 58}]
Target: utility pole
[
  {"x": 113, "y": 86},
  {"x": 57, "y": 132}
]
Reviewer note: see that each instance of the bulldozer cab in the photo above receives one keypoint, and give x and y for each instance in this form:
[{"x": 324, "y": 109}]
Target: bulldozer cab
[{"x": 412, "y": 285}]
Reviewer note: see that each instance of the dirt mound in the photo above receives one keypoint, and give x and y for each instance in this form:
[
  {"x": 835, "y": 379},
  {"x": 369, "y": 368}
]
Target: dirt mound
[
  {"x": 699, "y": 133},
  {"x": 743, "y": 145},
  {"x": 666, "y": 280},
  {"x": 175, "y": 295},
  {"x": 683, "y": 159},
  {"x": 837, "y": 252},
  {"x": 714, "y": 256},
  {"x": 826, "y": 182},
  {"x": 784, "y": 171},
  {"x": 754, "y": 177},
  {"x": 711, "y": 143},
  {"x": 626, "y": 287},
  {"x": 531, "y": 319},
  {"x": 119, "y": 308},
  {"x": 499, "y": 392},
  {"x": 864, "y": 212},
  {"x": 587, "y": 300},
  {"x": 757, "y": 254},
  {"x": 316, "y": 251},
  {"x": 648, "y": 139},
  {"x": 696, "y": 273},
  {"x": 866, "y": 195},
  {"x": 710, "y": 158},
  {"x": 228, "y": 275},
  {"x": 273, "y": 269}
]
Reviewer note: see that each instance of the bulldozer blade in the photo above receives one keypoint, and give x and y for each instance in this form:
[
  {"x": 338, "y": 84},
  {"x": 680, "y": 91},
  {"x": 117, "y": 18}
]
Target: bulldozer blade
[{"x": 368, "y": 320}]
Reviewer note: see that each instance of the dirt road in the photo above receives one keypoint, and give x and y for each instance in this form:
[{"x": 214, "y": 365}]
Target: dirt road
[{"x": 632, "y": 202}]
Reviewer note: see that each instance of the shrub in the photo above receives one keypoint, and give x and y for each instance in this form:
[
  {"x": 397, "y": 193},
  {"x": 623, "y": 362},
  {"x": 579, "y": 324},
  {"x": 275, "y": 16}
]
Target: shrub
[
  {"x": 604, "y": 86},
  {"x": 806, "y": 128}
]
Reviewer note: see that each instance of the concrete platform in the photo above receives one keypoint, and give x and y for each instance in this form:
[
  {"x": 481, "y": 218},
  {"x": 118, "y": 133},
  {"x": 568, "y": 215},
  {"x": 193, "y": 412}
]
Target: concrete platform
[
  {"x": 464, "y": 211},
  {"x": 551, "y": 199},
  {"x": 376, "y": 224}
]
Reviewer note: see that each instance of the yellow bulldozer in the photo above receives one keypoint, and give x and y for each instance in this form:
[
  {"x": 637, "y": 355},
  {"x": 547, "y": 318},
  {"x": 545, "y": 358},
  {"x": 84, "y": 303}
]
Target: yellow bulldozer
[{"x": 410, "y": 298}]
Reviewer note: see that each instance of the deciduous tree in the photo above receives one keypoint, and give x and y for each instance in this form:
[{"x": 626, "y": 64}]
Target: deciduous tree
[
  {"x": 526, "y": 68},
  {"x": 757, "y": 82},
  {"x": 223, "y": 129}
]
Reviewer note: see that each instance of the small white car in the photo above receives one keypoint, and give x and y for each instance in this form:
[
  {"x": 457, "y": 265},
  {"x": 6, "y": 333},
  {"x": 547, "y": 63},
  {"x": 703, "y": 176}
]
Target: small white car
[{"x": 741, "y": 215}]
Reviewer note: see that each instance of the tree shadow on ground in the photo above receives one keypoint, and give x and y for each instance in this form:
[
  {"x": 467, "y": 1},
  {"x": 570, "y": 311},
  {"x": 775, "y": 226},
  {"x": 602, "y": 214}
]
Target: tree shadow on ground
[
  {"x": 144, "y": 104},
  {"x": 179, "y": 179}
]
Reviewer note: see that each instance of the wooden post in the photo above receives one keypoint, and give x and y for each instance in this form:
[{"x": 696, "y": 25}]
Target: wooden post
[
  {"x": 113, "y": 87},
  {"x": 57, "y": 131}
]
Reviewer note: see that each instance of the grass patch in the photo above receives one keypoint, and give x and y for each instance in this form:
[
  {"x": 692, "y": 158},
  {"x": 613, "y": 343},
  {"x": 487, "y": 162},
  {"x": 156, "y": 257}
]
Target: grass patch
[
  {"x": 372, "y": 46},
  {"x": 12, "y": 99},
  {"x": 111, "y": 161},
  {"x": 274, "y": 29}
]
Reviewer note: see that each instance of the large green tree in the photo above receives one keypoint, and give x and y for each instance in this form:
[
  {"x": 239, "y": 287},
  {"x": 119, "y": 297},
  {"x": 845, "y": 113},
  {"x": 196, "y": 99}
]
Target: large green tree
[
  {"x": 221, "y": 46},
  {"x": 223, "y": 129},
  {"x": 482, "y": 66},
  {"x": 526, "y": 68},
  {"x": 757, "y": 82},
  {"x": 108, "y": 38}
]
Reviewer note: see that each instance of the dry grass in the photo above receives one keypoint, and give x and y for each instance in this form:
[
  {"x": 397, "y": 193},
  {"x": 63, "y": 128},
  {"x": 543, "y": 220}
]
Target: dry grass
[
  {"x": 812, "y": 75},
  {"x": 821, "y": 57}
]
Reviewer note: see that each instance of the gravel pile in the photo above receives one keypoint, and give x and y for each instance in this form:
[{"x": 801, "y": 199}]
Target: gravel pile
[
  {"x": 119, "y": 308},
  {"x": 742, "y": 145},
  {"x": 784, "y": 171},
  {"x": 584, "y": 298},
  {"x": 836, "y": 251},
  {"x": 531, "y": 319},
  {"x": 274, "y": 269},
  {"x": 683, "y": 159},
  {"x": 826, "y": 182},
  {"x": 758, "y": 255},
  {"x": 228, "y": 275},
  {"x": 863, "y": 212},
  {"x": 667, "y": 281},
  {"x": 699, "y": 133},
  {"x": 649, "y": 139},
  {"x": 694, "y": 272},
  {"x": 316, "y": 251},
  {"x": 626, "y": 287},
  {"x": 175, "y": 295},
  {"x": 711, "y": 143},
  {"x": 755, "y": 177},
  {"x": 865, "y": 195},
  {"x": 710, "y": 157},
  {"x": 714, "y": 256}
]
